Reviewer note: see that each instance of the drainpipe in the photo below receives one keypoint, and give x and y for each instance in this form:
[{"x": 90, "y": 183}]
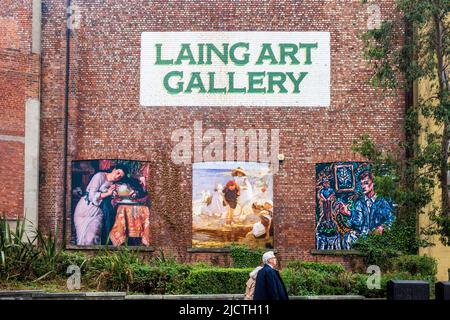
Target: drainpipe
[{"x": 66, "y": 124}]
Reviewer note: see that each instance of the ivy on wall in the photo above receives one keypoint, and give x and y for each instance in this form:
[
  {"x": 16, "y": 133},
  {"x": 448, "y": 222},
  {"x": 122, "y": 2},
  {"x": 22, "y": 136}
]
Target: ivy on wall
[{"x": 400, "y": 60}]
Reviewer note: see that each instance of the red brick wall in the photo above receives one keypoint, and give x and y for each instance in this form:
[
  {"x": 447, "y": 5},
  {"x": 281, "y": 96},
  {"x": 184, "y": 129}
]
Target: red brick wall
[
  {"x": 106, "y": 120},
  {"x": 19, "y": 80},
  {"x": 12, "y": 173}
]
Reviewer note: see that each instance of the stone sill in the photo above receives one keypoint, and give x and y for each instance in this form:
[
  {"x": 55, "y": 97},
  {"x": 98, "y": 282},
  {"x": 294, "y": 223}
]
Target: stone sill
[
  {"x": 113, "y": 248},
  {"x": 216, "y": 250},
  {"x": 337, "y": 252},
  {"x": 42, "y": 295}
]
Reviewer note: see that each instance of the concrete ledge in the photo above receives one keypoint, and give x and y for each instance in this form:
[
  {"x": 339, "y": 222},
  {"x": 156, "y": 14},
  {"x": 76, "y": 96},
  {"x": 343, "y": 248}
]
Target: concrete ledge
[
  {"x": 217, "y": 250},
  {"x": 337, "y": 252},
  {"x": 207, "y": 250},
  {"x": 106, "y": 295},
  {"x": 233, "y": 297},
  {"x": 205, "y": 297},
  {"x": 144, "y": 297},
  {"x": 79, "y": 295},
  {"x": 20, "y": 139},
  {"x": 349, "y": 297},
  {"x": 187, "y": 297},
  {"x": 40, "y": 295},
  {"x": 59, "y": 296},
  {"x": 107, "y": 248},
  {"x": 15, "y": 293},
  {"x": 18, "y": 294}
]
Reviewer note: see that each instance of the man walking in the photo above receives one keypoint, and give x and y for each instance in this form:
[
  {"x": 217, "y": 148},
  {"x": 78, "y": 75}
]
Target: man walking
[{"x": 269, "y": 285}]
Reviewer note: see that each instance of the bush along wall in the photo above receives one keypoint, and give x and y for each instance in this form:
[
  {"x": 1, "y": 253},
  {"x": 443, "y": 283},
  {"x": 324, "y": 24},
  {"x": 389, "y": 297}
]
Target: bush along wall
[
  {"x": 243, "y": 257},
  {"x": 301, "y": 278},
  {"x": 217, "y": 280},
  {"x": 309, "y": 278},
  {"x": 126, "y": 270},
  {"x": 122, "y": 271}
]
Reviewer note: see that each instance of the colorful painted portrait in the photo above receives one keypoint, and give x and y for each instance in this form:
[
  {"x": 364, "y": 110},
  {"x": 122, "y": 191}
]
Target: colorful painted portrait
[
  {"x": 110, "y": 203},
  {"x": 347, "y": 206},
  {"x": 232, "y": 202}
]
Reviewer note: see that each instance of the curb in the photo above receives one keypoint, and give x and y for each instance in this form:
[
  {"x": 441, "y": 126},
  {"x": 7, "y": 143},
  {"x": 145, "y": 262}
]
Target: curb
[{"x": 41, "y": 295}]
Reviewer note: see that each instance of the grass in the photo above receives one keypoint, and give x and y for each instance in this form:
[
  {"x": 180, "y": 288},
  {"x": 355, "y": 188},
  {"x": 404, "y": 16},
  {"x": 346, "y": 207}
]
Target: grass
[
  {"x": 54, "y": 285},
  {"x": 58, "y": 284}
]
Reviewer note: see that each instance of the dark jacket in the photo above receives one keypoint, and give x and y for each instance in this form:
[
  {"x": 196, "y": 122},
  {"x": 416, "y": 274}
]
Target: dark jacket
[{"x": 269, "y": 285}]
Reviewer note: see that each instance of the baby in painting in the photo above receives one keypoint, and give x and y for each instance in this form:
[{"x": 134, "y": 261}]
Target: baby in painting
[{"x": 215, "y": 206}]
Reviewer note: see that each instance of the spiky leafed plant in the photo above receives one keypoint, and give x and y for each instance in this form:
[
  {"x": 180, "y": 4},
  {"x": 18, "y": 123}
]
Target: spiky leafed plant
[
  {"x": 17, "y": 250},
  {"x": 113, "y": 270},
  {"x": 47, "y": 262}
]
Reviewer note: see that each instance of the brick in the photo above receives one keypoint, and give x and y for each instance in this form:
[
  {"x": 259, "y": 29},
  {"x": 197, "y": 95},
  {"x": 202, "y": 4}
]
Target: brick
[{"x": 106, "y": 120}]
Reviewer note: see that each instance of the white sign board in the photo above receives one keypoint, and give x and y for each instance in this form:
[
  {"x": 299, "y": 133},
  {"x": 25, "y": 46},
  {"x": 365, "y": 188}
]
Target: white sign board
[{"x": 235, "y": 69}]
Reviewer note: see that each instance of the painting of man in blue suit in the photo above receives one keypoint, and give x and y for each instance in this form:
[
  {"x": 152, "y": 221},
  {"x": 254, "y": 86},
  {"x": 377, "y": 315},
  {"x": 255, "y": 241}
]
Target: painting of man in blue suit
[{"x": 371, "y": 214}]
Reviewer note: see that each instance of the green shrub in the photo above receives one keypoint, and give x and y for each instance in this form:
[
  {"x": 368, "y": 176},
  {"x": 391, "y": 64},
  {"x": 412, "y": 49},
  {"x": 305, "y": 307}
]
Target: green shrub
[
  {"x": 67, "y": 258},
  {"x": 380, "y": 249},
  {"x": 334, "y": 268},
  {"x": 46, "y": 263},
  {"x": 217, "y": 281},
  {"x": 361, "y": 288},
  {"x": 163, "y": 279},
  {"x": 17, "y": 251},
  {"x": 311, "y": 278},
  {"x": 201, "y": 265},
  {"x": 309, "y": 281},
  {"x": 113, "y": 270},
  {"x": 243, "y": 257},
  {"x": 124, "y": 269},
  {"x": 23, "y": 258},
  {"x": 415, "y": 265}
]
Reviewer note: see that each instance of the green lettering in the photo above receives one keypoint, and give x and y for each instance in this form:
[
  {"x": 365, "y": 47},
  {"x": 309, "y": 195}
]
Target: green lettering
[
  {"x": 185, "y": 54},
  {"x": 221, "y": 55},
  {"x": 231, "y": 88},
  {"x": 200, "y": 53},
  {"x": 179, "y": 87},
  {"x": 296, "y": 81},
  {"x": 159, "y": 60},
  {"x": 308, "y": 47},
  {"x": 245, "y": 57},
  {"x": 288, "y": 50},
  {"x": 195, "y": 83},
  {"x": 277, "y": 82},
  {"x": 212, "y": 88},
  {"x": 255, "y": 78},
  {"x": 266, "y": 54}
]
